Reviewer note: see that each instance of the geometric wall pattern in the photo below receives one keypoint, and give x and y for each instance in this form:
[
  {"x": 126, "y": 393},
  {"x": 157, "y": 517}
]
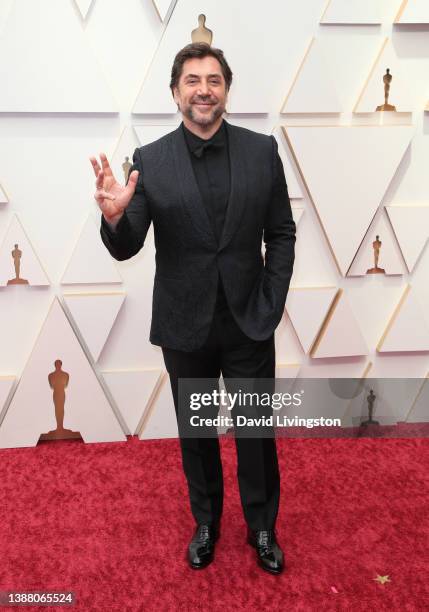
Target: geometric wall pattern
[
  {"x": 284, "y": 37},
  {"x": 163, "y": 7},
  {"x": 133, "y": 392},
  {"x": 37, "y": 400},
  {"x": 90, "y": 262},
  {"x": 34, "y": 82},
  {"x": 413, "y": 11},
  {"x": 357, "y": 173},
  {"x": 340, "y": 335},
  {"x": 84, "y": 6},
  {"x": 419, "y": 410},
  {"x": 94, "y": 315},
  {"x": 313, "y": 74},
  {"x": 353, "y": 152},
  {"x": 408, "y": 328},
  {"x": 402, "y": 92},
  {"x": 411, "y": 227},
  {"x": 352, "y": 12},
  {"x": 307, "y": 308},
  {"x": 125, "y": 147},
  {"x": 6, "y": 384},
  {"x": 389, "y": 253},
  {"x": 293, "y": 187},
  {"x": 160, "y": 423},
  {"x": 394, "y": 401},
  {"x": 19, "y": 264}
]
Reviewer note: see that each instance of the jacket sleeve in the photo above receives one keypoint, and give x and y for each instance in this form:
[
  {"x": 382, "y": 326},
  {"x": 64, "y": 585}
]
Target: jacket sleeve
[
  {"x": 127, "y": 238},
  {"x": 279, "y": 232}
]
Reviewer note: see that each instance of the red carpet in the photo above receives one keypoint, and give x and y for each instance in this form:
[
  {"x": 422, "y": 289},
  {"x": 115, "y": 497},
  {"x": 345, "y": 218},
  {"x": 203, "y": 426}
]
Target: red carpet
[{"x": 111, "y": 522}]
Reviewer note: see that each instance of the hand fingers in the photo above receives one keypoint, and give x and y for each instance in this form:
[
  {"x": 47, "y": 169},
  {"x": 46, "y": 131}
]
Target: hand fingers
[
  {"x": 132, "y": 180},
  {"x": 100, "y": 194},
  {"x": 100, "y": 179},
  {"x": 105, "y": 164},
  {"x": 95, "y": 165}
]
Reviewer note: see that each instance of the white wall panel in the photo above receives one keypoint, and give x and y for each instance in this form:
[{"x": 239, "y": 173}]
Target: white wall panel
[
  {"x": 63, "y": 75},
  {"x": 413, "y": 11},
  {"x": 352, "y": 12},
  {"x": 32, "y": 409},
  {"x": 285, "y": 26},
  {"x": 16, "y": 249}
]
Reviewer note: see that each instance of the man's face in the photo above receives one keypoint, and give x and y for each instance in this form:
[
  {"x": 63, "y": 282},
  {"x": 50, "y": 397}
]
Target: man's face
[{"x": 201, "y": 93}]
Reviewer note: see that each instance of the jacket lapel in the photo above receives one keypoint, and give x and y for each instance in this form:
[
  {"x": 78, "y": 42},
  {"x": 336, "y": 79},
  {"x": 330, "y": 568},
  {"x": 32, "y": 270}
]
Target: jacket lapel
[
  {"x": 238, "y": 191},
  {"x": 191, "y": 195}
]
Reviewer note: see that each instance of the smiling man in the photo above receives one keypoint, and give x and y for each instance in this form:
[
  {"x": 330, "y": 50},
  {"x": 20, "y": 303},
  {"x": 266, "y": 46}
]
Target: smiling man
[{"x": 213, "y": 192}]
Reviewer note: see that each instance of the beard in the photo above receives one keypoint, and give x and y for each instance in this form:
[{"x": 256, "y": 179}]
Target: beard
[{"x": 203, "y": 119}]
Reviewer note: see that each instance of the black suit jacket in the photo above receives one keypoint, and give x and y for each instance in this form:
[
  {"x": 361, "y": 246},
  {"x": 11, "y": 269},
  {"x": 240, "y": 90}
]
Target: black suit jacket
[{"x": 188, "y": 256}]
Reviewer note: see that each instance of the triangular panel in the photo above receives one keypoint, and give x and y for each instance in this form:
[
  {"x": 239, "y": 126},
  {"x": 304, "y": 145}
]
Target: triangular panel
[
  {"x": 149, "y": 133},
  {"x": 6, "y": 384},
  {"x": 127, "y": 144},
  {"x": 32, "y": 411},
  {"x": 314, "y": 75},
  {"x": 83, "y": 6},
  {"x": 160, "y": 417},
  {"x": 274, "y": 26},
  {"x": 307, "y": 308},
  {"x": 293, "y": 187},
  {"x": 407, "y": 329},
  {"x": 63, "y": 75},
  {"x": 94, "y": 315},
  {"x": 19, "y": 264},
  {"x": 90, "y": 262},
  {"x": 410, "y": 224},
  {"x": 340, "y": 335},
  {"x": 379, "y": 240},
  {"x": 419, "y": 412},
  {"x": 413, "y": 11},
  {"x": 352, "y": 11},
  {"x": 347, "y": 192},
  {"x": 163, "y": 7},
  {"x": 402, "y": 92},
  {"x": 133, "y": 391}
]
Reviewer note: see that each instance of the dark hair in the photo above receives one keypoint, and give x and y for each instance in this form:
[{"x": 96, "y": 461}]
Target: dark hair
[{"x": 200, "y": 50}]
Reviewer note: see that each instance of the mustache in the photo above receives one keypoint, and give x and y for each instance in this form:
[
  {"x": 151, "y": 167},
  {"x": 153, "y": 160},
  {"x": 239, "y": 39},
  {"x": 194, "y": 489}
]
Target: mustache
[{"x": 204, "y": 101}]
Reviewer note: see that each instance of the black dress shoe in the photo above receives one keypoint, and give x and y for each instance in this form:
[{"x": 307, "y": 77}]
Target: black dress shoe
[
  {"x": 269, "y": 553},
  {"x": 201, "y": 547}
]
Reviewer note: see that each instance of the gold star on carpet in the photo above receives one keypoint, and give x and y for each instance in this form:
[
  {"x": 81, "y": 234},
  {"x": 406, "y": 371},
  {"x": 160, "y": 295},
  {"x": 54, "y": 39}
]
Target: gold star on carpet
[{"x": 382, "y": 579}]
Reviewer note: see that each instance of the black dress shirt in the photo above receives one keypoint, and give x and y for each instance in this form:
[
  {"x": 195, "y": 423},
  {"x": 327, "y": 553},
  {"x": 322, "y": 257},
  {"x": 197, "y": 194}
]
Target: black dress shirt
[{"x": 210, "y": 162}]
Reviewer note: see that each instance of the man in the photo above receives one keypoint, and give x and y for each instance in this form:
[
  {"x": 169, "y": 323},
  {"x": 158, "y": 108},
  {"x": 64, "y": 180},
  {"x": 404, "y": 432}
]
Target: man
[{"x": 212, "y": 190}]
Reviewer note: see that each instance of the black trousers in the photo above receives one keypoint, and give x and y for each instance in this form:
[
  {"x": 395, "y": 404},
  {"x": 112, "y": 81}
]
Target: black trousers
[{"x": 230, "y": 351}]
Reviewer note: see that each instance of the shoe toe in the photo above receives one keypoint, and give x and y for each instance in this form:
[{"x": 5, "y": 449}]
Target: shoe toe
[
  {"x": 201, "y": 548},
  {"x": 200, "y": 559},
  {"x": 272, "y": 562}
]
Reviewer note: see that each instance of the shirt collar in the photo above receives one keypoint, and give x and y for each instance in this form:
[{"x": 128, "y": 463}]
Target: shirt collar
[{"x": 195, "y": 142}]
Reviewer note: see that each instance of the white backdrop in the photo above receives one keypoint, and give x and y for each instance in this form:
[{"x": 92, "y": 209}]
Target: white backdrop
[{"x": 81, "y": 77}]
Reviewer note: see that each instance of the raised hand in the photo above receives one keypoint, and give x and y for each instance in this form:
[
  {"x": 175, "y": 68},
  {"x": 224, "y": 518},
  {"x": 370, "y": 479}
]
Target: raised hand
[{"x": 111, "y": 197}]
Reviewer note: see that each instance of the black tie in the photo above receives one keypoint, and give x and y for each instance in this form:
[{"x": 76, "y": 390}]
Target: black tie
[{"x": 200, "y": 150}]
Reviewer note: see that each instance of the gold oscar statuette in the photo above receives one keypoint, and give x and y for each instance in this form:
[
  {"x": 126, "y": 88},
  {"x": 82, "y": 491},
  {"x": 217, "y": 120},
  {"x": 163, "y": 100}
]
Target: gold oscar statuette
[
  {"x": 202, "y": 34},
  {"x": 16, "y": 255},
  {"x": 387, "y": 79},
  {"x": 58, "y": 381},
  {"x": 376, "y": 245},
  {"x": 370, "y": 399},
  {"x": 126, "y": 167}
]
